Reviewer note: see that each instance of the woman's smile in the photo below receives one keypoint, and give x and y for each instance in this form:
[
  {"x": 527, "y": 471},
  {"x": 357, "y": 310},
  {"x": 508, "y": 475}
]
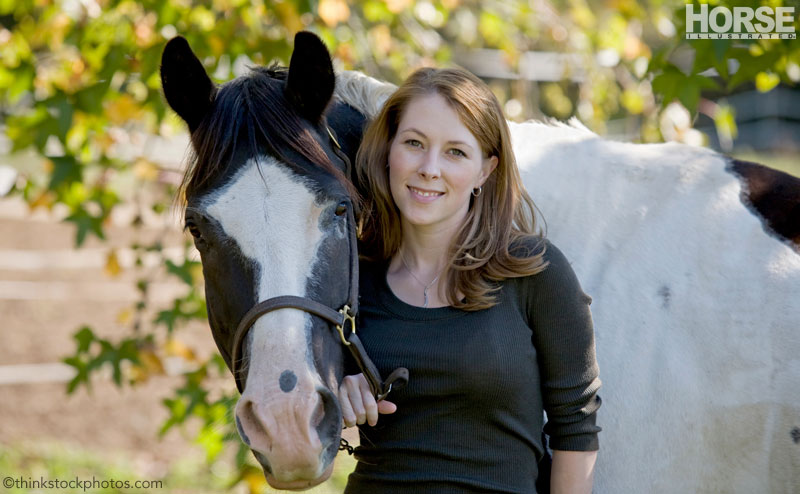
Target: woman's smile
[{"x": 424, "y": 195}]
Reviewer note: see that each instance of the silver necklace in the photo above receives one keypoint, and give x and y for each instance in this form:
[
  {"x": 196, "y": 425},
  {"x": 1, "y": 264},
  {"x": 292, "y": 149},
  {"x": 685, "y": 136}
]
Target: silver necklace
[{"x": 425, "y": 291}]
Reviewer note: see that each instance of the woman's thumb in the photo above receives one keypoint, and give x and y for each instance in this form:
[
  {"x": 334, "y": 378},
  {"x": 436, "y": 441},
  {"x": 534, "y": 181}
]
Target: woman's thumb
[{"x": 386, "y": 407}]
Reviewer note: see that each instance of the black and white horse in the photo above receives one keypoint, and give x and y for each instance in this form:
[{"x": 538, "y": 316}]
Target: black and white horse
[
  {"x": 692, "y": 260},
  {"x": 266, "y": 204}
]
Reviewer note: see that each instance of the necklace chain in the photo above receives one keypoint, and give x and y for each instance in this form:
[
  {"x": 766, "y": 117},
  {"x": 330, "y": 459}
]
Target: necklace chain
[{"x": 426, "y": 287}]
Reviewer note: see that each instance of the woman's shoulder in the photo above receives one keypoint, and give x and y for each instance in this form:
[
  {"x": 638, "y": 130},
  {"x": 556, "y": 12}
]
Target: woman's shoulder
[
  {"x": 557, "y": 267},
  {"x": 534, "y": 245}
]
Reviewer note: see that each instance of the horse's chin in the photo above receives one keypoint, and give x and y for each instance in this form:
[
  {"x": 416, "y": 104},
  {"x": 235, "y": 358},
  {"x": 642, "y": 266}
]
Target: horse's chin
[{"x": 298, "y": 485}]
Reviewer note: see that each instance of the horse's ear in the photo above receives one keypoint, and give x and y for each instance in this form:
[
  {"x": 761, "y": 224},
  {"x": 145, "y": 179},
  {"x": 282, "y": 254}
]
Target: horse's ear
[
  {"x": 311, "y": 79},
  {"x": 187, "y": 87}
]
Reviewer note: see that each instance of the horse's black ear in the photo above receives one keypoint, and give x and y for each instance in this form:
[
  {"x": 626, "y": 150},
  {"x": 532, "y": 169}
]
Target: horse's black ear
[
  {"x": 311, "y": 79},
  {"x": 187, "y": 87}
]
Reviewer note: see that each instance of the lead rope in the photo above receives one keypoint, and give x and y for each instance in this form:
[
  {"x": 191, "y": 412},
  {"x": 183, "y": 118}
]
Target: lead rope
[{"x": 343, "y": 444}]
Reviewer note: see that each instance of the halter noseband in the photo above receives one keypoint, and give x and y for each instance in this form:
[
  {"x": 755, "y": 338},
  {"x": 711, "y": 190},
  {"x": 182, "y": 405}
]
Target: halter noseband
[{"x": 339, "y": 318}]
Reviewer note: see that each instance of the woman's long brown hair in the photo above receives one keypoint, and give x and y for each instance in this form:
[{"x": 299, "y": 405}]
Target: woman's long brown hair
[{"x": 499, "y": 238}]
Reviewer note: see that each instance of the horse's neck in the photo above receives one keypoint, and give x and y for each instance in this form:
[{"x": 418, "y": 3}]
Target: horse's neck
[
  {"x": 348, "y": 126},
  {"x": 358, "y": 99}
]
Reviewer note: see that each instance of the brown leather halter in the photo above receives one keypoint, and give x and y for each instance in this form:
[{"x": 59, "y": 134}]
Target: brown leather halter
[{"x": 339, "y": 318}]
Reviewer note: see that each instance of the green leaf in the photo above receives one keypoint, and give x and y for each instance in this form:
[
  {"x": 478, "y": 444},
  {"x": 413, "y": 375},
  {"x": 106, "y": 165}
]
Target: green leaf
[
  {"x": 90, "y": 99},
  {"x": 181, "y": 272},
  {"x": 129, "y": 350},
  {"x": 668, "y": 83},
  {"x": 63, "y": 110},
  {"x": 66, "y": 170},
  {"x": 81, "y": 373},
  {"x": 751, "y": 65},
  {"x": 84, "y": 337},
  {"x": 85, "y": 224},
  {"x": 22, "y": 82}
]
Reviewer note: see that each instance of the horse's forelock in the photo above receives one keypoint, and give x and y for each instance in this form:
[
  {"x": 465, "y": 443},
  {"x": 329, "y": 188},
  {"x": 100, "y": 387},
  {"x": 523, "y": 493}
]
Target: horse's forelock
[{"x": 254, "y": 108}]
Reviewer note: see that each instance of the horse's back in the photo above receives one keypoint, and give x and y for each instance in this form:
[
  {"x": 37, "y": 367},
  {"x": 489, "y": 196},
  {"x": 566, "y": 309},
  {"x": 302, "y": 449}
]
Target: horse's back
[{"x": 695, "y": 309}]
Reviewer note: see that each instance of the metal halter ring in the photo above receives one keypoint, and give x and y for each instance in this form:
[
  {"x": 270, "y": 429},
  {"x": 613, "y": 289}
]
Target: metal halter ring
[{"x": 345, "y": 312}]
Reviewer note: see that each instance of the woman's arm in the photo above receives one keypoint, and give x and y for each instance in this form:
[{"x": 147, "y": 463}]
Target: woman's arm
[{"x": 572, "y": 472}]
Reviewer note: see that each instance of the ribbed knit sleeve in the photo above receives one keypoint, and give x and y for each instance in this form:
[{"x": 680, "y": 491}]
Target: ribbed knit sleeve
[{"x": 563, "y": 335}]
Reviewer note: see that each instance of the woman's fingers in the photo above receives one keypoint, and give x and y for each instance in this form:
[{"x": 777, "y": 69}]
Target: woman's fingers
[
  {"x": 348, "y": 416},
  {"x": 370, "y": 405},
  {"x": 356, "y": 397},
  {"x": 358, "y": 404}
]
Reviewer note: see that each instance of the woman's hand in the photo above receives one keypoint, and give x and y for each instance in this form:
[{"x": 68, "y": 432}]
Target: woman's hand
[
  {"x": 358, "y": 404},
  {"x": 572, "y": 472}
]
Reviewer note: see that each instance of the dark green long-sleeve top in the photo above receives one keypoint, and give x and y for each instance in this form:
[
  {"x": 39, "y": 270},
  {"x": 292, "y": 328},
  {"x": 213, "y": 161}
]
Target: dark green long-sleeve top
[{"x": 470, "y": 419}]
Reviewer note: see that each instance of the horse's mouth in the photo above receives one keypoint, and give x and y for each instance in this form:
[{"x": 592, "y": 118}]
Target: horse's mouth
[{"x": 298, "y": 485}]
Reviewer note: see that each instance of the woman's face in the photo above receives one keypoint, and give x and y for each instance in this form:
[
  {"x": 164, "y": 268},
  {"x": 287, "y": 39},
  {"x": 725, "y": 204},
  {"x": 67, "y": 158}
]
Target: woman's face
[{"x": 434, "y": 163}]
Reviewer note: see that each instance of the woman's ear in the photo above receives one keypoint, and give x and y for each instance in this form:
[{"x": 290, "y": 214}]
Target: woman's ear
[{"x": 488, "y": 166}]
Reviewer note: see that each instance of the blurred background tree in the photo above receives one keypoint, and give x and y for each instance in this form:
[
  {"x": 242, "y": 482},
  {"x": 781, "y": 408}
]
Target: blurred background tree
[{"x": 81, "y": 103}]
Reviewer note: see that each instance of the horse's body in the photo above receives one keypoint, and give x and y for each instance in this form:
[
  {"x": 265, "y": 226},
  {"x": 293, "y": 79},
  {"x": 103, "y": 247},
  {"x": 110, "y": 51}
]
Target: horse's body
[
  {"x": 695, "y": 302},
  {"x": 696, "y": 310}
]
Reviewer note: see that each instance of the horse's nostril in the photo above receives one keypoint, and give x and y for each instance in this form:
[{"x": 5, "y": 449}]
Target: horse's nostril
[
  {"x": 319, "y": 413},
  {"x": 239, "y": 427},
  {"x": 329, "y": 423},
  {"x": 288, "y": 381}
]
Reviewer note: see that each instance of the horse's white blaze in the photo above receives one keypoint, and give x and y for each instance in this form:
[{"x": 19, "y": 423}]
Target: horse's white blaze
[
  {"x": 696, "y": 311},
  {"x": 273, "y": 217}
]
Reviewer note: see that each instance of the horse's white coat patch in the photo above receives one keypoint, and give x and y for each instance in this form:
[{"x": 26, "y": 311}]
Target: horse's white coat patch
[
  {"x": 362, "y": 92},
  {"x": 273, "y": 217},
  {"x": 695, "y": 307}
]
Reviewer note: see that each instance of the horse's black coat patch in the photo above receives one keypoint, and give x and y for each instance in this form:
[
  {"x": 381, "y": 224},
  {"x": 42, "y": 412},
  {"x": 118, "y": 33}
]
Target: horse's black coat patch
[
  {"x": 666, "y": 294},
  {"x": 796, "y": 435},
  {"x": 774, "y": 197},
  {"x": 288, "y": 381}
]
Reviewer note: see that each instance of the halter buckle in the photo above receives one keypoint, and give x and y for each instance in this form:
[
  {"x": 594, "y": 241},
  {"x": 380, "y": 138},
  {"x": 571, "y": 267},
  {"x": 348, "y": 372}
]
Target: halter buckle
[{"x": 347, "y": 316}]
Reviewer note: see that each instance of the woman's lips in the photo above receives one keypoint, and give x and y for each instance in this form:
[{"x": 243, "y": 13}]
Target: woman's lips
[{"x": 424, "y": 195}]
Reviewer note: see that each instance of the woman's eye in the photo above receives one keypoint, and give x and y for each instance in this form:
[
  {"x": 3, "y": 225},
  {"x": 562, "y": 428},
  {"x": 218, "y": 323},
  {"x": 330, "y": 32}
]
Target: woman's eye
[
  {"x": 341, "y": 209},
  {"x": 458, "y": 152},
  {"x": 413, "y": 142}
]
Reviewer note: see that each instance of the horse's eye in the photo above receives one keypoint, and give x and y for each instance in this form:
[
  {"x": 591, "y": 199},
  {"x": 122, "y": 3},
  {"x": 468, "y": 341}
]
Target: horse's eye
[
  {"x": 341, "y": 208},
  {"x": 193, "y": 230}
]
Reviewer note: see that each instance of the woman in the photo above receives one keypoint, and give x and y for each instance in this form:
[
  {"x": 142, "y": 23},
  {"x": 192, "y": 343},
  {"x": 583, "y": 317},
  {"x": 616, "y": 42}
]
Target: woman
[{"x": 487, "y": 315}]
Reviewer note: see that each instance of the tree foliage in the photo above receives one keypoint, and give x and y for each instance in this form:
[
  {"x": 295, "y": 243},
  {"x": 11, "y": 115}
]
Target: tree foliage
[{"x": 80, "y": 87}]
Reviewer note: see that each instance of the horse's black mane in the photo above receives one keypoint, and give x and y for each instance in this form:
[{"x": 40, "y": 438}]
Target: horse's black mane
[{"x": 252, "y": 108}]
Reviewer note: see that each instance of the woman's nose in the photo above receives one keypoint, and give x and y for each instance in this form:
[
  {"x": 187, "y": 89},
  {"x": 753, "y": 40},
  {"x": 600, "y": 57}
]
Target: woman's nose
[{"x": 429, "y": 167}]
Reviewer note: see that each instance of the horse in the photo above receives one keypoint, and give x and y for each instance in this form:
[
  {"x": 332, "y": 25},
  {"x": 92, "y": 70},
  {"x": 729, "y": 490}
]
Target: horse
[
  {"x": 691, "y": 258},
  {"x": 271, "y": 210}
]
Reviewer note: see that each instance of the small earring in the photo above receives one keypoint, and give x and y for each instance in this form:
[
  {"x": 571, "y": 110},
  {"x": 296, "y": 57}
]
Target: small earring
[{"x": 477, "y": 191}]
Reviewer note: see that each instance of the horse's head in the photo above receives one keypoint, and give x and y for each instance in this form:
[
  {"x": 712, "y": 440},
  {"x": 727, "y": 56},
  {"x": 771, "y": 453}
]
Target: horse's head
[{"x": 270, "y": 209}]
